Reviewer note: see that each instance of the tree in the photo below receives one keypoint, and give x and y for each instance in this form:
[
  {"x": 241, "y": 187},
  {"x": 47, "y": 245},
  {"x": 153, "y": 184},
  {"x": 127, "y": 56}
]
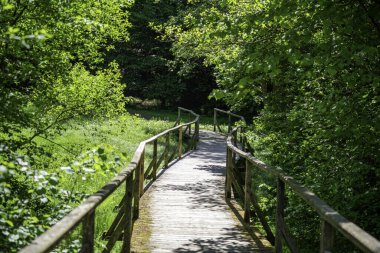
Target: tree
[
  {"x": 312, "y": 69},
  {"x": 50, "y": 52},
  {"x": 149, "y": 67},
  {"x": 42, "y": 48}
]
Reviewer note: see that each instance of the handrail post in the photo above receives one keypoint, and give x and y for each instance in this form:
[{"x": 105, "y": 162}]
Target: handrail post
[
  {"x": 128, "y": 215},
  {"x": 248, "y": 189},
  {"x": 179, "y": 116},
  {"x": 243, "y": 139},
  {"x": 196, "y": 133},
  {"x": 136, "y": 190},
  {"x": 88, "y": 231},
  {"x": 214, "y": 120},
  {"x": 327, "y": 237},
  {"x": 229, "y": 123},
  {"x": 141, "y": 169},
  {"x": 180, "y": 142},
  {"x": 235, "y": 138},
  {"x": 228, "y": 184},
  {"x": 166, "y": 155},
  {"x": 154, "y": 171},
  {"x": 279, "y": 214}
]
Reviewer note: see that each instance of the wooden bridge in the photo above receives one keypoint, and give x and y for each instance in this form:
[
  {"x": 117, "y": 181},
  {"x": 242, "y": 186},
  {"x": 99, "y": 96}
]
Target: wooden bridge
[{"x": 179, "y": 197}]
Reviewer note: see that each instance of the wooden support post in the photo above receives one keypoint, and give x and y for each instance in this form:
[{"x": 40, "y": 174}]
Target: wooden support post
[
  {"x": 279, "y": 214},
  {"x": 327, "y": 237},
  {"x": 180, "y": 142},
  {"x": 154, "y": 159},
  {"x": 247, "y": 191},
  {"x": 128, "y": 215},
  {"x": 88, "y": 231},
  {"x": 141, "y": 169},
  {"x": 197, "y": 131},
  {"x": 136, "y": 192},
  {"x": 214, "y": 120},
  {"x": 229, "y": 123},
  {"x": 179, "y": 117},
  {"x": 228, "y": 184},
  {"x": 166, "y": 154},
  {"x": 235, "y": 138},
  {"x": 234, "y": 141}
]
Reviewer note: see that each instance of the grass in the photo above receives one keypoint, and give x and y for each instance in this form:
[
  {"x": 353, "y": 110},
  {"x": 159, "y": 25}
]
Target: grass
[
  {"x": 119, "y": 137},
  {"x": 83, "y": 139},
  {"x": 205, "y": 121}
]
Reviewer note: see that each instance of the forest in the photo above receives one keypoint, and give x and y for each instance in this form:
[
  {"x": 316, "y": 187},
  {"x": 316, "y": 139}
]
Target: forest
[{"x": 305, "y": 75}]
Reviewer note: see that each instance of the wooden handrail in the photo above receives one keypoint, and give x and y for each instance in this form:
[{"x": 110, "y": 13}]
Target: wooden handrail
[
  {"x": 330, "y": 219},
  {"x": 230, "y": 114},
  {"x": 134, "y": 177}
]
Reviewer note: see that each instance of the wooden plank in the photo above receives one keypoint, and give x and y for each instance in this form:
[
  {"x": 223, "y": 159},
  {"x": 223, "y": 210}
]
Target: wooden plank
[
  {"x": 148, "y": 170},
  {"x": 128, "y": 223},
  {"x": 136, "y": 194},
  {"x": 229, "y": 123},
  {"x": 154, "y": 160},
  {"x": 114, "y": 224},
  {"x": 262, "y": 219},
  {"x": 88, "y": 231},
  {"x": 230, "y": 113},
  {"x": 228, "y": 184},
  {"x": 215, "y": 122},
  {"x": 141, "y": 169},
  {"x": 327, "y": 237},
  {"x": 180, "y": 142},
  {"x": 125, "y": 213},
  {"x": 289, "y": 239},
  {"x": 247, "y": 191},
  {"x": 166, "y": 152},
  {"x": 279, "y": 214}
]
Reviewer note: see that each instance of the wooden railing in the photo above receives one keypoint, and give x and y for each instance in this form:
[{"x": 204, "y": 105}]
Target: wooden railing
[
  {"x": 232, "y": 117},
  {"x": 331, "y": 220},
  {"x": 133, "y": 179}
]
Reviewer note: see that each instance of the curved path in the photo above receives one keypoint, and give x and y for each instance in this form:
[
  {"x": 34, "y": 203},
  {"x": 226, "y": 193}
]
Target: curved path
[{"x": 187, "y": 209}]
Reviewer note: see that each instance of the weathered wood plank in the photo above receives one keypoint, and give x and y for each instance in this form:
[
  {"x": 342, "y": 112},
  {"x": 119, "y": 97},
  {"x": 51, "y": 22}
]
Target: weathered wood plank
[
  {"x": 154, "y": 160},
  {"x": 188, "y": 209},
  {"x": 279, "y": 214},
  {"x": 247, "y": 191},
  {"x": 128, "y": 225},
  {"x": 88, "y": 231},
  {"x": 327, "y": 237},
  {"x": 180, "y": 142}
]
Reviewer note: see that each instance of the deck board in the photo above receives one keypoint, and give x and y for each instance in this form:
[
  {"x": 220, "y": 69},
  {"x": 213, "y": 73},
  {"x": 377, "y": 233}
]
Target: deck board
[{"x": 187, "y": 209}]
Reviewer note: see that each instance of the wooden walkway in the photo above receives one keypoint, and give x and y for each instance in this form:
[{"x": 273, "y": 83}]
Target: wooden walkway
[{"x": 186, "y": 210}]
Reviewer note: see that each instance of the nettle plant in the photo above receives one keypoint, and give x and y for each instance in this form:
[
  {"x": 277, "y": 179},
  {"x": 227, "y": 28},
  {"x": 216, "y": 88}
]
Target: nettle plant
[
  {"x": 32, "y": 200},
  {"x": 101, "y": 160}
]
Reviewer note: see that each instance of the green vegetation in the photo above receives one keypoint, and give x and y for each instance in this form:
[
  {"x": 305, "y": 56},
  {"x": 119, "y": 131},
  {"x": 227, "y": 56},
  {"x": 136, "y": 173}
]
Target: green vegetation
[
  {"x": 303, "y": 73},
  {"x": 75, "y": 163},
  {"x": 150, "y": 69},
  {"x": 308, "y": 70}
]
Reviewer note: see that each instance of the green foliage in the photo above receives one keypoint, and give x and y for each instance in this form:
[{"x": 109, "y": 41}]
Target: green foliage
[
  {"x": 148, "y": 65},
  {"x": 309, "y": 69},
  {"x": 38, "y": 190},
  {"x": 43, "y": 48},
  {"x": 30, "y": 201}
]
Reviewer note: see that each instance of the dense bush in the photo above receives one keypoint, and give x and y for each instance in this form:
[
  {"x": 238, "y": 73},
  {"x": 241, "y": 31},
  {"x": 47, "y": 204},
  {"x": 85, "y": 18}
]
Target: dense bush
[{"x": 311, "y": 69}]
